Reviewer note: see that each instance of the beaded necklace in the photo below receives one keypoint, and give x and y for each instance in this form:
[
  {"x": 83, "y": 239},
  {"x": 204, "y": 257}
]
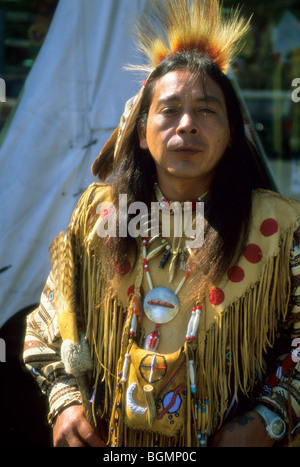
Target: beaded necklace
[
  {"x": 165, "y": 203},
  {"x": 161, "y": 305}
]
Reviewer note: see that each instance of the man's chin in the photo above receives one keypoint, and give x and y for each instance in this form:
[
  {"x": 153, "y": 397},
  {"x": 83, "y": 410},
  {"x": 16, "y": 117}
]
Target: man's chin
[{"x": 184, "y": 172}]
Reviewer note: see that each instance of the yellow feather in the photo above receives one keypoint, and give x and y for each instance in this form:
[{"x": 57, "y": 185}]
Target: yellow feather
[{"x": 172, "y": 25}]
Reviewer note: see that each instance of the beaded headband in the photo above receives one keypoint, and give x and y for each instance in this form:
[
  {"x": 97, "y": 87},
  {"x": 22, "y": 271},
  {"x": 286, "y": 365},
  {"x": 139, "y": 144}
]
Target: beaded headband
[{"x": 167, "y": 27}]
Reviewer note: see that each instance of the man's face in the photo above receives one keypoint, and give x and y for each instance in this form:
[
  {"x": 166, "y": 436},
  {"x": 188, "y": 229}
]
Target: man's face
[{"x": 187, "y": 130}]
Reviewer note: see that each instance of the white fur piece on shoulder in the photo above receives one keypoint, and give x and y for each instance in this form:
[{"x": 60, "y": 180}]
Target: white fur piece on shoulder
[{"x": 76, "y": 357}]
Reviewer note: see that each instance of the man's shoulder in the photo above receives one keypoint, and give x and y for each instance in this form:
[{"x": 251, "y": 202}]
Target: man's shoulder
[
  {"x": 87, "y": 208},
  {"x": 271, "y": 204},
  {"x": 96, "y": 193},
  {"x": 273, "y": 197}
]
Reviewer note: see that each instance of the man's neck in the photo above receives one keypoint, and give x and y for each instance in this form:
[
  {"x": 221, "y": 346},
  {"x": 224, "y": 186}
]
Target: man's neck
[{"x": 181, "y": 189}]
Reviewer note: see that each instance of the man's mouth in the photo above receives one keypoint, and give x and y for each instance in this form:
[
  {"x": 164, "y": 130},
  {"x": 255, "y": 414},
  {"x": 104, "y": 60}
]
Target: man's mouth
[{"x": 187, "y": 149}]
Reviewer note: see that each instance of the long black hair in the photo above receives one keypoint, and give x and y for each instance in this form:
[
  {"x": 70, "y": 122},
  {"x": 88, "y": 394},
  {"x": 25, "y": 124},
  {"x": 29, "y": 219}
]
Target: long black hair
[{"x": 239, "y": 172}]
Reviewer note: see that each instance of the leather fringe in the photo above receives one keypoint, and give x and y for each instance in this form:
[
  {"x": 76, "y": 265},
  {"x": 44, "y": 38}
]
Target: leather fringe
[{"x": 226, "y": 358}]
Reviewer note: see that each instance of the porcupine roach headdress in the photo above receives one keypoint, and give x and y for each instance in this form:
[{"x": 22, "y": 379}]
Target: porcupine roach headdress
[{"x": 170, "y": 26}]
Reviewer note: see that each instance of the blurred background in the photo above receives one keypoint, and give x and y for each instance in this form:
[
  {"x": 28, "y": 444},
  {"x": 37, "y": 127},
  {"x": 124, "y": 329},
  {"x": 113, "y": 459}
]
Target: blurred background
[{"x": 62, "y": 91}]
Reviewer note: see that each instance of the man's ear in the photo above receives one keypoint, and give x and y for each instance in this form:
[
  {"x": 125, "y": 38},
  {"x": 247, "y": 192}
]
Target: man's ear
[{"x": 142, "y": 132}]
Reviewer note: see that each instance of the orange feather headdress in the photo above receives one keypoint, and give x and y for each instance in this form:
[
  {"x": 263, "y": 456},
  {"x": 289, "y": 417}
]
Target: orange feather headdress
[
  {"x": 167, "y": 27},
  {"x": 174, "y": 25}
]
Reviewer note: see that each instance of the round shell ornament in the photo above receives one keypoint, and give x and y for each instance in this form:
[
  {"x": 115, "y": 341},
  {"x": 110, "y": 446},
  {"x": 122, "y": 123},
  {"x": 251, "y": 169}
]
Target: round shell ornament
[{"x": 161, "y": 305}]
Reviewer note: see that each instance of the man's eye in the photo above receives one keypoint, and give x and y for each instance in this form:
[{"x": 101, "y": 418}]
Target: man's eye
[
  {"x": 206, "y": 110},
  {"x": 168, "y": 110}
]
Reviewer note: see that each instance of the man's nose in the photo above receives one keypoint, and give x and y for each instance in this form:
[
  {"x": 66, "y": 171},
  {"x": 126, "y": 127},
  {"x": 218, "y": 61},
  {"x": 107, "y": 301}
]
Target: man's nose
[{"x": 187, "y": 124}]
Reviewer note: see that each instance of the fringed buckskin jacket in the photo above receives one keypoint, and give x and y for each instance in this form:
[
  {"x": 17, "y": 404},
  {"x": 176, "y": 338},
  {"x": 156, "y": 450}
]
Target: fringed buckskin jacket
[{"x": 80, "y": 348}]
